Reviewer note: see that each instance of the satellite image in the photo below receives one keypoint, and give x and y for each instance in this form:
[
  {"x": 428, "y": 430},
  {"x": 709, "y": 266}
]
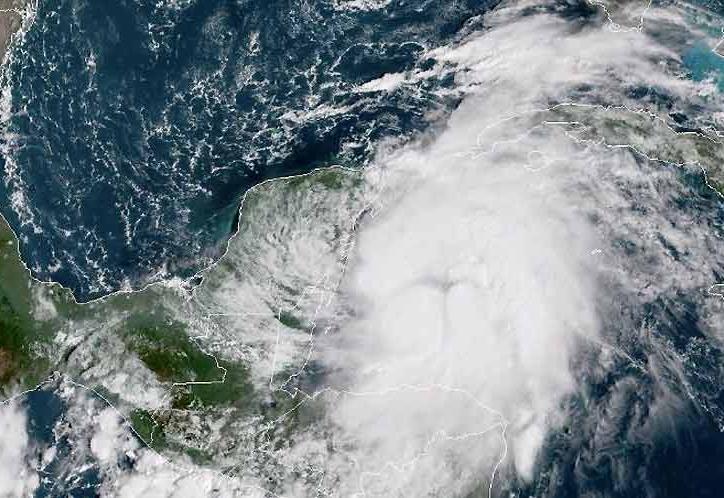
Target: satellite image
[{"x": 362, "y": 248}]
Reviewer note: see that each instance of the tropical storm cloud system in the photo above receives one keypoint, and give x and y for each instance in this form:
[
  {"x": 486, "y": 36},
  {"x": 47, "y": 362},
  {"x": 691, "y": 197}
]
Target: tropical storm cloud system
[{"x": 362, "y": 248}]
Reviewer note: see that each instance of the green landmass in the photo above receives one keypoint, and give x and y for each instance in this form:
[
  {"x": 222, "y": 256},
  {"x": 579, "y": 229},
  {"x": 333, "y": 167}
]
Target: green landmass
[
  {"x": 23, "y": 339},
  {"x": 180, "y": 345},
  {"x": 148, "y": 429},
  {"x": 289, "y": 319},
  {"x": 166, "y": 349}
]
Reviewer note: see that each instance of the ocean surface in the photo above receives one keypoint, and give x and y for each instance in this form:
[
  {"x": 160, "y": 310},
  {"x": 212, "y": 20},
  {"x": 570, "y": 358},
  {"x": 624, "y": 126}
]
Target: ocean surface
[
  {"x": 133, "y": 127},
  {"x": 131, "y": 130}
]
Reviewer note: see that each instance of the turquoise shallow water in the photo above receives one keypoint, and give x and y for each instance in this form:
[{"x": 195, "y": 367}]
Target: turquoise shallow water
[
  {"x": 702, "y": 63},
  {"x": 137, "y": 126}
]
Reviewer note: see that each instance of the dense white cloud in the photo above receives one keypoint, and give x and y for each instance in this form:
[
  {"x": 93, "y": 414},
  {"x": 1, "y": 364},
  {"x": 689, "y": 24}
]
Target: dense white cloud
[
  {"x": 473, "y": 285},
  {"x": 17, "y": 478},
  {"x": 477, "y": 280},
  {"x": 106, "y": 442},
  {"x": 154, "y": 477}
]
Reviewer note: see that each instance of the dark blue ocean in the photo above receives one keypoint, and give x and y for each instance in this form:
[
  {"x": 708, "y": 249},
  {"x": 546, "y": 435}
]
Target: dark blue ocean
[
  {"x": 134, "y": 127},
  {"x": 137, "y": 125}
]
